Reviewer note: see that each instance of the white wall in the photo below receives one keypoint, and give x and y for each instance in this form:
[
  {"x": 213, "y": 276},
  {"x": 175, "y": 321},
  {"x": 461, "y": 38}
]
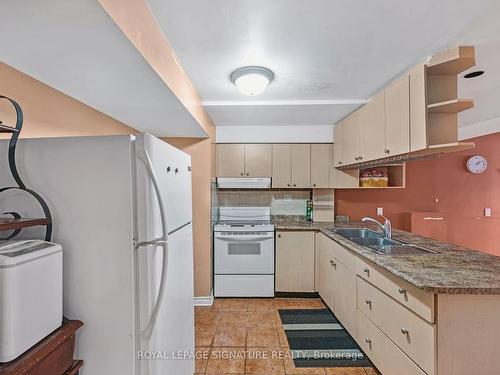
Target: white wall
[
  {"x": 274, "y": 134},
  {"x": 479, "y": 129}
]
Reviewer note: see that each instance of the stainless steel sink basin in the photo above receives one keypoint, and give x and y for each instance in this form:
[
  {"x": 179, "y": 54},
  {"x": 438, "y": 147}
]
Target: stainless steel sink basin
[
  {"x": 378, "y": 243},
  {"x": 358, "y": 233}
]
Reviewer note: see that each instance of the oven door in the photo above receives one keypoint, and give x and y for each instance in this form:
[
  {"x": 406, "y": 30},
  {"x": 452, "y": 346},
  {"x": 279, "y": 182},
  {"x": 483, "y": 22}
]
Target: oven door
[{"x": 244, "y": 253}]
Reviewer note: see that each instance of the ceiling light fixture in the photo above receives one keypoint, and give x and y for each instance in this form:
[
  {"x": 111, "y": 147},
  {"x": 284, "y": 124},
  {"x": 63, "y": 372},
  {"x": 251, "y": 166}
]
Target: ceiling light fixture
[{"x": 252, "y": 80}]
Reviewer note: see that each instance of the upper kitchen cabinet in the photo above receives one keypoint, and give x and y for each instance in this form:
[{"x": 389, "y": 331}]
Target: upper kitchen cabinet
[
  {"x": 282, "y": 166},
  {"x": 351, "y": 131},
  {"x": 321, "y": 161},
  {"x": 341, "y": 179},
  {"x": 230, "y": 160},
  {"x": 372, "y": 128},
  {"x": 418, "y": 108},
  {"x": 301, "y": 165},
  {"x": 397, "y": 117},
  {"x": 416, "y": 116},
  {"x": 291, "y": 166},
  {"x": 244, "y": 160},
  {"x": 258, "y": 160}
]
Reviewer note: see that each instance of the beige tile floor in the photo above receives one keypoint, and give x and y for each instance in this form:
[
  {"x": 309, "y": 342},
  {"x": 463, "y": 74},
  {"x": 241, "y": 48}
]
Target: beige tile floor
[{"x": 245, "y": 336}]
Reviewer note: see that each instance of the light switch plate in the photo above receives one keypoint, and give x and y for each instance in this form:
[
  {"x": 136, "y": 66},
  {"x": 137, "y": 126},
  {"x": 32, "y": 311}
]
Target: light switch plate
[
  {"x": 380, "y": 211},
  {"x": 487, "y": 212}
]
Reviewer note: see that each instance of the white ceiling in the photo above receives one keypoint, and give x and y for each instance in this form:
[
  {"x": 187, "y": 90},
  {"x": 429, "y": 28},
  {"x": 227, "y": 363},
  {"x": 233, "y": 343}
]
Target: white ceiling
[
  {"x": 75, "y": 47},
  {"x": 328, "y": 55}
]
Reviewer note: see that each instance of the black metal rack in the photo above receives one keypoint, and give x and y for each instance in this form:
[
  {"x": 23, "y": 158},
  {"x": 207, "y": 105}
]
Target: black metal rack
[{"x": 17, "y": 223}]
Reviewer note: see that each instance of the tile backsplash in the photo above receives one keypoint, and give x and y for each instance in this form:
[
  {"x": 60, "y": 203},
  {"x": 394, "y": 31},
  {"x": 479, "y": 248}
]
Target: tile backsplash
[{"x": 282, "y": 202}]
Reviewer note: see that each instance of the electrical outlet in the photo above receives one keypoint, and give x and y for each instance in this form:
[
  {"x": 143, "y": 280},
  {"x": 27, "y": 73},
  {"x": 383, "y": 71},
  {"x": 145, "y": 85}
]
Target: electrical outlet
[
  {"x": 487, "y": 212},
  {"x": 380, "y": 211}
]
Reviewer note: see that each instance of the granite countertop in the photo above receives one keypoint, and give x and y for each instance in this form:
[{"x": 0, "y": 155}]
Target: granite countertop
[{"x": 453, "y": 270}]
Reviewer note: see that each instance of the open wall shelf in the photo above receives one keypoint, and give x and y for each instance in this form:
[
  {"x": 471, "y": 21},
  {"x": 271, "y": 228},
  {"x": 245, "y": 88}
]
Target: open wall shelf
[{"x": 14, "y": 223}]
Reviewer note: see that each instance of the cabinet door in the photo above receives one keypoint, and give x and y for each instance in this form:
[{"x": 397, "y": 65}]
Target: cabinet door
[
  {"x": 325, "y": 269},
  {"x": 282, "y": 166},
  {"x": 337, "y": 145},
  {"x": 301, "y": 166},
  {"x": 258, "y": 160},
  {"x": 397, "y": 125},
  {"x": 230, "y": 160},
  {"x": 320, "y": 165},
  {"x": 295, "y": 261},
  {"x": 351, "y": 138},
  {"x": 418, "y": 108},
  {"x": 372, "y": 126},
  {"x": 344, "y": 281}
]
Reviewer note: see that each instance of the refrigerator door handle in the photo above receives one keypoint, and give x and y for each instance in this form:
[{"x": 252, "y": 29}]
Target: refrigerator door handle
[
  {"x": 161, "y": 241},
  {"x": 148, "y": 331},
  {"x": 144, "y": 157}
]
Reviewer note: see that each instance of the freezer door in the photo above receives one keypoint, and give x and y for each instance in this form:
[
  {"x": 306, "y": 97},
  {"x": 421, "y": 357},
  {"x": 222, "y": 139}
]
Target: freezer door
[
  {"x": 172, "y": 168},
  {"x": 168, "y": 348}
]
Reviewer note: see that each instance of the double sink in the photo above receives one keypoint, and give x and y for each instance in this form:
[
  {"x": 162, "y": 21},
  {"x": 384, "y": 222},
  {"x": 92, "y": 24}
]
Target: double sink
[{"x": 379, "y": 243}]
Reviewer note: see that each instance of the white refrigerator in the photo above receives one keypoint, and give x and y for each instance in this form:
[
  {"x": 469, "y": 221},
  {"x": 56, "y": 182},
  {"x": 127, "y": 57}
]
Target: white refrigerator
[{"x": 121, "y": 208}]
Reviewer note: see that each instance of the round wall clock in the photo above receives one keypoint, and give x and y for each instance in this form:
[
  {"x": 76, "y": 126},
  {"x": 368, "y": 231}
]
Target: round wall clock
[{"x": 477, "y": 164}]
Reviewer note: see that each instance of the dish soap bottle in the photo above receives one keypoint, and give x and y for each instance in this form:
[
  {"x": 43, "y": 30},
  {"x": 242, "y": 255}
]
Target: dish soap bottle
[{"x": 309, "y": 209}]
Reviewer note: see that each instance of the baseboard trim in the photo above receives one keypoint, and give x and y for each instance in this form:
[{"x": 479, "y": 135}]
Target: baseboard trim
[{"x": 205, "y": 301}]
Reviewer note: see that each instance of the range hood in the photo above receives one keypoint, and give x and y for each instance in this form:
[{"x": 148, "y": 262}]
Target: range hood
[{"x": 243, "y": 182}]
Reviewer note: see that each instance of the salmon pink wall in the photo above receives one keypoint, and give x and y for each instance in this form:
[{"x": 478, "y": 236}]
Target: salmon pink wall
[{"x": 443, "y": 186}]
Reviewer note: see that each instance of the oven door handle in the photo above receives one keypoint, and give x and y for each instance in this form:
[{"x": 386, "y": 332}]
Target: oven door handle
[{"x": 243, "y": 239}]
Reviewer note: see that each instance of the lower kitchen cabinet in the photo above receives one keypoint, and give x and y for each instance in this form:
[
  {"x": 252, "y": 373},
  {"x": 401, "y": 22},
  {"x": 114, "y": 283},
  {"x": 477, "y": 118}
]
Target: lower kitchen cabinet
[
  {"x": 337, "y": 280},
  {"x": 326, "y": 283},
  {"x": 295, "y": 261}
]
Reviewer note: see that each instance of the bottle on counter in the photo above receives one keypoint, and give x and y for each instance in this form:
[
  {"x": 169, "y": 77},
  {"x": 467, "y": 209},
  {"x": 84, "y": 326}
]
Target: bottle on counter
[{"x": 309, "y": 209}]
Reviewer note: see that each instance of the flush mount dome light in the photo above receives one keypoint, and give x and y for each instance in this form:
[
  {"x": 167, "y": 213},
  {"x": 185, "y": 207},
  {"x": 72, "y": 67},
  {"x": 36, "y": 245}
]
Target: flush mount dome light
[{"x": 252, "y": 80}]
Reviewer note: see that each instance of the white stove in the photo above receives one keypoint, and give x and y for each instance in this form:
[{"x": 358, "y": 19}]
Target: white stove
[
  {"x": 243, "y": 219},
  {"x": 244, "y": 252}
]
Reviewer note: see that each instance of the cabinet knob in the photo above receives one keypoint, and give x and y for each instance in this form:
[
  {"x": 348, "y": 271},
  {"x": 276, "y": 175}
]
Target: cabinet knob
[
  {"x": 368, "y": 341},
  {"x": 169, "y": 168},
  {"x": 294, "y": 185},
  {"x": 402, "y": 291},
  {"x": 404, "y": 331},
  {"x": 368, "y": 302},
  {"x": 176, "y": 170},
  {"x": 248, "y": 174},
  {"x": 340, "y": 163},
  {"x": 333, "y": 263},
  {"x": 287, "y": 184},
  {"x": 241, "y": 174},
  {"x": 387, "y": 151},
  {"x": 314, "y": 184},
  {"x": 356, "y": 158},
  {"x": 360, "y": 158},
  {"x": 366, "y": 270}
]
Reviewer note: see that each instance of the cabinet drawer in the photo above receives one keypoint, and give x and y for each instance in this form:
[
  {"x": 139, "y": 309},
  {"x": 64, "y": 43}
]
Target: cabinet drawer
[
  {"x": 386, "y": 356},
  {"x": 413, "y": 298},
  {"x": 408, "y": 331}
]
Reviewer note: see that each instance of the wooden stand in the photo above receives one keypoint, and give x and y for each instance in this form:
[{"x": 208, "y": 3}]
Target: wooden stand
[{"x": 51, "y": 356}]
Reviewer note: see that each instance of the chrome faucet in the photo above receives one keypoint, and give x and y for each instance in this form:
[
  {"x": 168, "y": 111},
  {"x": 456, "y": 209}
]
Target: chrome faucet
[{"x": 386, "y": 227}]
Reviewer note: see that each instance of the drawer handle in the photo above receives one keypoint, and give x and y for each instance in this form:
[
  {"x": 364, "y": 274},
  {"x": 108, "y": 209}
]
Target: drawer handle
[
  {"x": 404, "y": 331},
  {"x": 333, "y": 263},
  {"x": 402, "y": 291},
  {"x": 368, "y": 341},
  {"x": 279, "y": 235}
]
